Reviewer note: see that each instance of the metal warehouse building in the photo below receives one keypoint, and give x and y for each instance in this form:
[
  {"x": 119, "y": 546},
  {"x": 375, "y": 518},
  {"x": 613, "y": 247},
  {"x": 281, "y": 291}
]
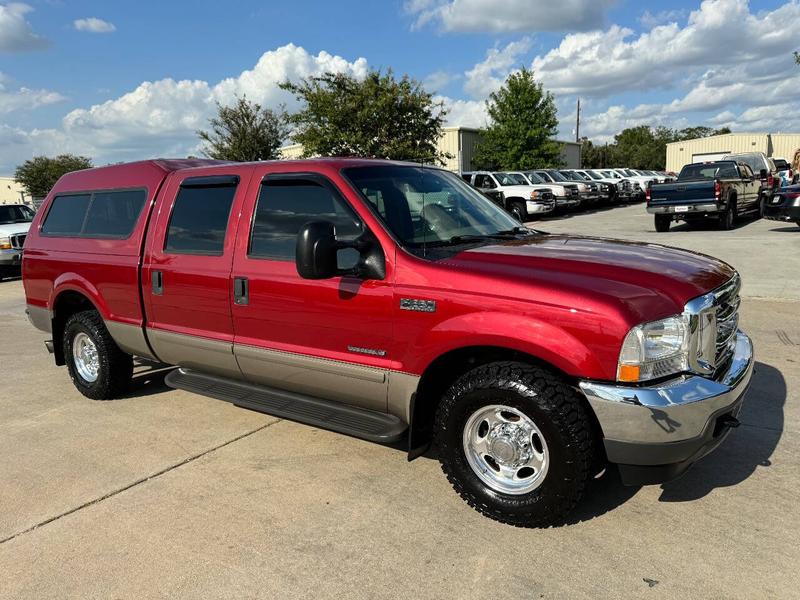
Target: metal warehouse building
[
  {"x": 783, "y": 145},
  {"x": 460, "y": 143}
]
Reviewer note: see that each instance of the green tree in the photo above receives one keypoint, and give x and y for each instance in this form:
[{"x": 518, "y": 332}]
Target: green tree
[
  {"x": 244, "y": 132},
  {"x": 797, "y": 57},
  {"x": 594, "y": 157},
  {"x": 522, "y": 126},
  {"x": 378, "y": 117},
  {"x": 39, "y": 174}
]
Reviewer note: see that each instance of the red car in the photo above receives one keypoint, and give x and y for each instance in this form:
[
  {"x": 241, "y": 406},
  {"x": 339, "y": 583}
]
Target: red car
[{"x": 387, "y": 300}]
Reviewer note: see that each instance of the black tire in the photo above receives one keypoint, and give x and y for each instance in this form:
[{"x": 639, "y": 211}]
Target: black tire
[
  {"x": 727, "y": 218},
  {"x": 115, "y": 366},
  {"x": 662, "y": 223},
  {"x": 762, "y": 207},
  {"x": 517, "y": 210},
  {"x": 558, "y": 412}
]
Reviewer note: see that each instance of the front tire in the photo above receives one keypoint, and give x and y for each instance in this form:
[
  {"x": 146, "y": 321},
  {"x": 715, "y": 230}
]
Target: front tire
[
  {"x": 517, "y": 209},
  {"x": 97, "y": 366},
  {"x": 516, "y": 443},
  {"x": 662, "y": 223}
]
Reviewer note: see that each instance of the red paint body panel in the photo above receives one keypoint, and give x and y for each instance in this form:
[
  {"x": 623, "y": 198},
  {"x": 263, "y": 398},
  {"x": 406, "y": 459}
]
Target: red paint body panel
[
  {"x": 317, "y": 318},
  {"x": 566, "y": 300}
]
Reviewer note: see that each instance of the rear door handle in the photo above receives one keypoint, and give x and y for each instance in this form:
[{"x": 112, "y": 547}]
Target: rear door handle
[
  {"x": 158, "y": 283},
  {"x": 241, "y": 291}
]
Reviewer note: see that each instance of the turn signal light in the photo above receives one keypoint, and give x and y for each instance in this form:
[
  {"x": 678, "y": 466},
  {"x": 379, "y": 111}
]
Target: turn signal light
[
  {"x": 717, "y": 190},
  {"x": 628, "y": 373}
]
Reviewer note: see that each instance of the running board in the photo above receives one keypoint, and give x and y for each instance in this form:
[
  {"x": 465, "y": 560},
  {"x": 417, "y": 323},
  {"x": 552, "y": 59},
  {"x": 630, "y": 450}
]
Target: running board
[{"x": 342, "y": 418}]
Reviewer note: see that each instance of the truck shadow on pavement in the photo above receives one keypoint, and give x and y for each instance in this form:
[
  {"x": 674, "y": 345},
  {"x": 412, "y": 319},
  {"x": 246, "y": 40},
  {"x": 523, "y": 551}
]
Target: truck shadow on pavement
[
  {"x": 148, "y": 378},
  {"x": 746, "y": 449}
]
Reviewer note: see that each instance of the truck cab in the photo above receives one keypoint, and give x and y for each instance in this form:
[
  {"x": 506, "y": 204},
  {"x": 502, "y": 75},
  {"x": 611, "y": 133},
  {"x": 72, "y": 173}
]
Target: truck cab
[{"x": 394, "y": 303}]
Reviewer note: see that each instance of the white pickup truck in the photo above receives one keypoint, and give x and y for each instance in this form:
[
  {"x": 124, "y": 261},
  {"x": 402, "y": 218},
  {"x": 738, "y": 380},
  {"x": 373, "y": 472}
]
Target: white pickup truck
[
  {"x": 514, "y": 193},
  {"x": 15, "y": 219}
]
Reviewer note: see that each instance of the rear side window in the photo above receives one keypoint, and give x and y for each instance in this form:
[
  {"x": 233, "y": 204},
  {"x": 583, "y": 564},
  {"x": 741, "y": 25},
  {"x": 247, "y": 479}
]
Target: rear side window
[
  {"x": 66, "y": 215},
  {"x": 200, "y": 216},
  {"x": 113, "y": 214},
  {"x": 285, "y": 205},
  {"x": 107, "y": 214}
]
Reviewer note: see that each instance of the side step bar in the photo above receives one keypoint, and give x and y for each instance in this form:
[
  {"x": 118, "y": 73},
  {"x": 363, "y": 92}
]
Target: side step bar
[{"x": 350, "y": 420}]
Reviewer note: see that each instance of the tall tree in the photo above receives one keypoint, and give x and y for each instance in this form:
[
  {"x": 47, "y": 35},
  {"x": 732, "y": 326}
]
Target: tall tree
[
  {"x": 378, "y": 116},
  {"x": 797, "y": 57},
  {"x": 244, "y": 132},
  {"x": 522, "y": 126},
  {"x": 39, "y": 174}
]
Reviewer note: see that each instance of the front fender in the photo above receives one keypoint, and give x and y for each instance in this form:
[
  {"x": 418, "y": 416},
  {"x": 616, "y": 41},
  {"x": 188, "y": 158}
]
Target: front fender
[{"x": 540, "y": 339}]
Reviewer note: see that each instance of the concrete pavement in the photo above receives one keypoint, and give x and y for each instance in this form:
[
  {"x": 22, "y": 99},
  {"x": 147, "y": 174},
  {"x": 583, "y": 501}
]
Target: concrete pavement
[{"x": 168, "y": 494}]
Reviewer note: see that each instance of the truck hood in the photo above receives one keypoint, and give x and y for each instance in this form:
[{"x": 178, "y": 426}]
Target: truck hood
[
  {"x": 13, "y": 228},
  {"x": 650, "y": 280}
]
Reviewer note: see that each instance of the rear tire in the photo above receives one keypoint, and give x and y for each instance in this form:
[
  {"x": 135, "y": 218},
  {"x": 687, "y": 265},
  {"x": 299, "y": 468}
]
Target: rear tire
[
  {"x": 517, "y": 209},
  {"x": 727, "y": 218},
  {"x": 662, "y": 223},
  {"x": 97, "y": 366},
  {"x": 486, "y": 455}
]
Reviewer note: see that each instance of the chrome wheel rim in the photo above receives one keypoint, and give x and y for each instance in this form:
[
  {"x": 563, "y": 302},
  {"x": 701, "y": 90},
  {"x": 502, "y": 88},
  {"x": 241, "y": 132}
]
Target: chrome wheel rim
[
  {"x": 505, "y": 449},
  {"x": 85, "y": 358}
]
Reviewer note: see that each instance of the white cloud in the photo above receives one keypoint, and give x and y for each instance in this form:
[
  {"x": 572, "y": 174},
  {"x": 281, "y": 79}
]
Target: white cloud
[
  {"x": 24, "y": 98},
  {"x": 16, "y": 34},
  {"x": 489, "y": 74},
  {"x": 464, "y": 113},
  {"x": 509, "y": 16},
  {"x": 94, "y": 25},
  {"x": 438, "y": 80},
  {"x": 651, "y": 20},
  {"x": 160, "y": 118},
  {"x": 720, "y": 33}
]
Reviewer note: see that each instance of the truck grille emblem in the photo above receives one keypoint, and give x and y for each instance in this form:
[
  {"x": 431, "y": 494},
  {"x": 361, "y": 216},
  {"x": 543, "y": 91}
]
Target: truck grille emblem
[{"x": 418, "y": 305}]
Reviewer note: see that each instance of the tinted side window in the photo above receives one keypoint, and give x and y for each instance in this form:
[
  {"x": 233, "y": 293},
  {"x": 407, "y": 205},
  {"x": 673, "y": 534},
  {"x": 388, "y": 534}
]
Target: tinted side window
[
  {"x": 199, "y": 219},
  {"x": 66, "y": 215},
  {"x": 113, "y": 214},
  {"x": 285, "y": 205},
  {"x": 727, "y": 172}
]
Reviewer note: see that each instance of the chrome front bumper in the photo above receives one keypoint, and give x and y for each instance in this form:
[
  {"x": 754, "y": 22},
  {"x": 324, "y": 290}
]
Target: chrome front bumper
[
  {"x": 10, "y": 258},
  {"x": 675, "y": 422}
]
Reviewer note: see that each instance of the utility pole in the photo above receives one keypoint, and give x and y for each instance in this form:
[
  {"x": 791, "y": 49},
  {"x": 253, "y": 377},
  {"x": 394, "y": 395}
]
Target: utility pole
[{"x": 578, "y": 122}]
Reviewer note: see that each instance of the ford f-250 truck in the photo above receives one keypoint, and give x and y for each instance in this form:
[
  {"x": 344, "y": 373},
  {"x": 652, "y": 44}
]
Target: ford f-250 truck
[
  {"x": 391, "y": 301},
  {"x": 723, "y": 190}
]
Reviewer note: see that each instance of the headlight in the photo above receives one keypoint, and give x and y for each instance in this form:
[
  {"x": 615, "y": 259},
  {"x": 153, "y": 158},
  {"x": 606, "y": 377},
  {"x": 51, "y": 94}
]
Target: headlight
[
  {"x": 5, "y": 243},
  {"x": 536, "y": 194},
  {"x": 604, "y": 187},
  {"x": 654, "y": 349}
]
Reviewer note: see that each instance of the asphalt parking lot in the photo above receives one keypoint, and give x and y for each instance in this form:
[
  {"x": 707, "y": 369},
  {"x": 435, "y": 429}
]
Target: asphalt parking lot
[{"x": 165, "y": 493}]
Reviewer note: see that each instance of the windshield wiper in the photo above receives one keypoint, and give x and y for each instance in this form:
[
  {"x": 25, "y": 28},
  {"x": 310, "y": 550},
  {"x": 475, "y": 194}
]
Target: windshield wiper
[{"x": 509, "y": 234}]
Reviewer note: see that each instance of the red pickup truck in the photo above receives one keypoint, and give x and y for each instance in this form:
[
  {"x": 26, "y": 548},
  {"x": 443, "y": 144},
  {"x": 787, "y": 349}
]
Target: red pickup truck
[{"x": 388, "y": 301}]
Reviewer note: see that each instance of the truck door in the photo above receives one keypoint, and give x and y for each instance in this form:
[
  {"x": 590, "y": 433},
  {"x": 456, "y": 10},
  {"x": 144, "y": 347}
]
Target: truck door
[
  {"x": 187, "y": 269},
  {"x": 324, "y": 338}
]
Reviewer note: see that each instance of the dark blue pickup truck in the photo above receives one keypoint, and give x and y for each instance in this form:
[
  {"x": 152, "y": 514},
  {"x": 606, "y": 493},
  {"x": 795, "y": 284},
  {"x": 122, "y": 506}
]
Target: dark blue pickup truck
[{"x": 721, "y": 190}]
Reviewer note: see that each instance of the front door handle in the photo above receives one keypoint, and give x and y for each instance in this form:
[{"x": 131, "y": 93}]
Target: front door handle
[
  {"x": 158, "y": 283},
  {"x": 241, "y": 291}
]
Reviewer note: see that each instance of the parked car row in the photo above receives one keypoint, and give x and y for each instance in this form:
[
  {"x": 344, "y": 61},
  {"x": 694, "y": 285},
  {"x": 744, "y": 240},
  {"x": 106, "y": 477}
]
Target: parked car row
[
  {"x": 530, "y": 194},
  {"x": 15, "y": 219}
]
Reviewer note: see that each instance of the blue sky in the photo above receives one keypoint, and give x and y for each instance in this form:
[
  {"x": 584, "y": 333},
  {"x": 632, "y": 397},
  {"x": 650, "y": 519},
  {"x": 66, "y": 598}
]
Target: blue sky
[{"x": 120, "y": 81}]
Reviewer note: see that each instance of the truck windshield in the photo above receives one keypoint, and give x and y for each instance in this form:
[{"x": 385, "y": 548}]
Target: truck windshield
[
  {"x": 15, "y": 214},
  {"x": 593, "y": 175},
  {"x": 534, "y": 178},
  {"x": 557, "y": 176},
  {"x": 425, "y": 207},
  {"x": 510, "y": 179}
]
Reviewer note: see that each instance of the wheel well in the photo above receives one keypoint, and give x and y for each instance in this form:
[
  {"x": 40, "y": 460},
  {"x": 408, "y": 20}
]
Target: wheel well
[
  {"x": 515, "y": 199},
  {"x": 67, "y": 304},
  {"x": 443, "y": 371}
]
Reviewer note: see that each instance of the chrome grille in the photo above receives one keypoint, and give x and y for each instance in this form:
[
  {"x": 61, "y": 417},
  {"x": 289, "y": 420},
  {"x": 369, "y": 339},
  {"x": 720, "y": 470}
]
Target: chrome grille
[
  {"x": 18, "y": 241},
  {"x": 726, "y": 303}
]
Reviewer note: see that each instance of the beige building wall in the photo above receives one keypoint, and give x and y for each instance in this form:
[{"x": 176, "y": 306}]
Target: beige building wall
[
  {"x": 460, "y": 143},
  {"x": 772, "y": 144},
  {"x": 11, "y": 192}
]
